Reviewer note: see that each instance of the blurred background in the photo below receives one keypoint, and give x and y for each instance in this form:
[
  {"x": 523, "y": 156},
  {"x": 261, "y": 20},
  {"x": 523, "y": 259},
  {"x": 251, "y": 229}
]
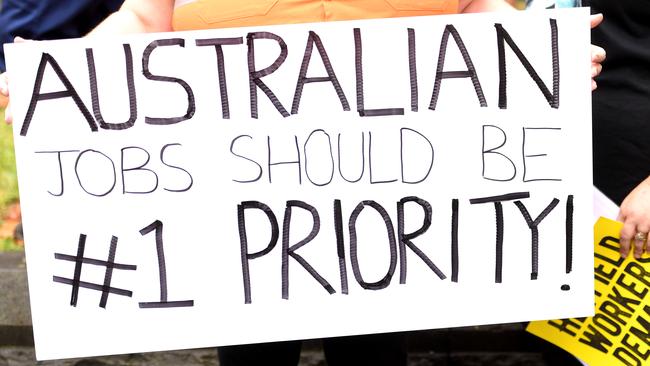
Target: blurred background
[{"x": 10, "y": 231}]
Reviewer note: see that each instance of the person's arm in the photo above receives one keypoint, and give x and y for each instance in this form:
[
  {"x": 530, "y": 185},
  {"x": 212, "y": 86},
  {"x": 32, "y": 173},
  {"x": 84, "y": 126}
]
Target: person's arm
[
  {"x": 479, "y": 6},
  {"x": 598, "y": 54},
  {"x": 138, "y": 16}
]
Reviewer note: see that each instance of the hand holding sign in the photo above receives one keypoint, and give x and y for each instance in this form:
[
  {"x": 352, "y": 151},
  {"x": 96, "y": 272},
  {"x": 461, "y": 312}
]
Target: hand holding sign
[
  {"x": 619, "y": 332},
  {"x": 635, "y": 216}
]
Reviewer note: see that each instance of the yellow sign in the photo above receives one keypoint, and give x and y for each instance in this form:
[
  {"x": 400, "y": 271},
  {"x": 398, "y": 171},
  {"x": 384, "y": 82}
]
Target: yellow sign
[{"x": 619, "y": 332}]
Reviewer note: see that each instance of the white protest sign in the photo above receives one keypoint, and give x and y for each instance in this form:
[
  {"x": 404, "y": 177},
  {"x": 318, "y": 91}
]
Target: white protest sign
[{"x": 288, "y": 182}]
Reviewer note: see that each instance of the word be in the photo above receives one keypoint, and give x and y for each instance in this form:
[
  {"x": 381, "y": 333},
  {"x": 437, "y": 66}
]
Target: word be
[{"x": 319, "y": 144}]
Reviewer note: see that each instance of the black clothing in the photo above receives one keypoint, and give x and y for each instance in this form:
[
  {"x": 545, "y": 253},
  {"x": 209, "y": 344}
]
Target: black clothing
[
  {"x": 621, "y": 103},
  {"x": 376, "y": 349}
]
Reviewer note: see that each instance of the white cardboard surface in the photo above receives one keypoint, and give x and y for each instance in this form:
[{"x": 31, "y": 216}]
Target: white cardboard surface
[{"x": 201, "y": 237}]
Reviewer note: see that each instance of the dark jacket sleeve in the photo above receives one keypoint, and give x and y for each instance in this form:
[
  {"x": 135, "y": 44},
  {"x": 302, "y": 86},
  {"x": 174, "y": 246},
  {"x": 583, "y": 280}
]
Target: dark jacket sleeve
[{"x": 50, "y": 19}]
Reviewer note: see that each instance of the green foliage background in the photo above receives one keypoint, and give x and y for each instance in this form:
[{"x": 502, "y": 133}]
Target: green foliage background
[
  {"x": 8, "y": 179},
  {"x": 8, "y": 182}
]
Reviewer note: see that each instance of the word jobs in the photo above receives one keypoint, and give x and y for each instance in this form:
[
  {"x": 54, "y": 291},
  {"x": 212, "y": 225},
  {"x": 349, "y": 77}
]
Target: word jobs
[{"x": 97, "y": 175}]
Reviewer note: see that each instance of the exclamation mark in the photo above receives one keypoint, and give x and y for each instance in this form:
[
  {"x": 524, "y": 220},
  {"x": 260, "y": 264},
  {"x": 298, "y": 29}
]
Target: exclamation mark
[{"x": 569, "y": 239}]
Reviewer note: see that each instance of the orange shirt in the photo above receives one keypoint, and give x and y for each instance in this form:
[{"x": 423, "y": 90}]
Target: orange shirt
[{"x": 206, "y": 14}]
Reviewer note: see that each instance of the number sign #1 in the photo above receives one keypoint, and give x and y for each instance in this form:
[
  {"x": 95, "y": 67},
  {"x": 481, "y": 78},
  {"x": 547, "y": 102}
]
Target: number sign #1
[{"x": 286, "y": 182}]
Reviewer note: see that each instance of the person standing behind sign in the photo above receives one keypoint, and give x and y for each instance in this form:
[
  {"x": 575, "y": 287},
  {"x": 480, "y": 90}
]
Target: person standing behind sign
[
  {"x": 621, "y": 107},
  {"x": 621, "y": 117},
  {"x": 169, "y": 15}
]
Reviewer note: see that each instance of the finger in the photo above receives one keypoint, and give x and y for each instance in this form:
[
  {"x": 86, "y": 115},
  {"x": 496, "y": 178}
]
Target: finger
[
  {"x": 595, "y": 20},
  {"x": 640, "y": 242},
  {"x": 9, "y": 118},
  {"x": 19, "y": 39},
  {"x": 593, "y": 85},
  {"x": 4, "y": 84},
  {"x": 4, "y": 90},
  {"x": 627, "y": 233},
  {"x": 596, "y": 69},
  {"x": 598, "y": 54}
]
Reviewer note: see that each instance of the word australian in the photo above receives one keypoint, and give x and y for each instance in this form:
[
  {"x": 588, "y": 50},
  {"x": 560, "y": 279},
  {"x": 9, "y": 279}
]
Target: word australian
[{"x": 256, "y": 75}]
